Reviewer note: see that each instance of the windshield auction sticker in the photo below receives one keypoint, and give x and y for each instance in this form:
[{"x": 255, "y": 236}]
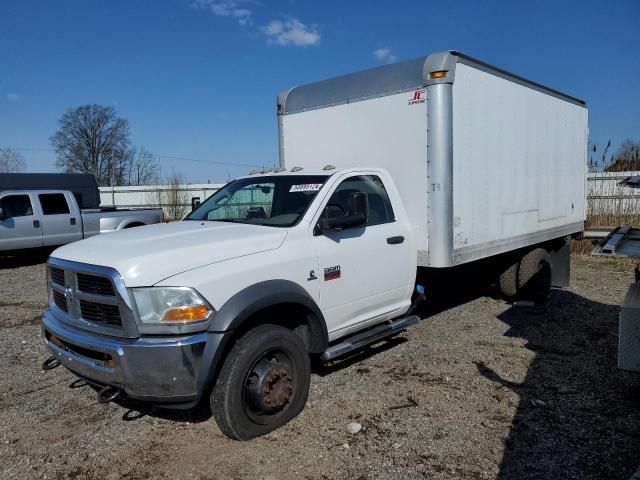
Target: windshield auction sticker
[{"x": 306, "y": 187}]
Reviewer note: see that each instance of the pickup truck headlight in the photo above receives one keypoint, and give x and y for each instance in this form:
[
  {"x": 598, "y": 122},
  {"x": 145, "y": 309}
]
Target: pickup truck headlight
[{"x": 170, "y": 309}]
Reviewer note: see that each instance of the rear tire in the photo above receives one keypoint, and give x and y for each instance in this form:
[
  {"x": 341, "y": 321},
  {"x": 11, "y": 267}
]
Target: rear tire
[
  {"x": 509, "y": 280},
  {"x": 534, "y": 276},
  {"x": 263, "y": 382}
]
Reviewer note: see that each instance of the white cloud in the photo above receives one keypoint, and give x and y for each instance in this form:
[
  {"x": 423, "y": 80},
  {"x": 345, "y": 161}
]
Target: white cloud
[
  {"x": 227, "y": 8},
  {"x": 291, "y": 32},
  {"x": 384, "y": 55},
  {"x": 13, "y": 97}
]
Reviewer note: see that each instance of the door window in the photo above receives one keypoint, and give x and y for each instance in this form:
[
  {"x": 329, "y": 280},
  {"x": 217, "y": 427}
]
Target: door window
[
  {"x": 53, "y": 203},
  {"x": 16, "y": 206},
  {"x": 380, "y": 210}
]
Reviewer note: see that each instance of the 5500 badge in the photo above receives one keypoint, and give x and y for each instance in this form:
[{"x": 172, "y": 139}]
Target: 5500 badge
[{"x": 331, "y": 273}]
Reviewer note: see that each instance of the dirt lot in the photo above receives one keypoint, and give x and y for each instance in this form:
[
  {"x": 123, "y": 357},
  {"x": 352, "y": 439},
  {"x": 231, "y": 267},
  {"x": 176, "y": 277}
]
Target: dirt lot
[{"x": 479, "y": 389}]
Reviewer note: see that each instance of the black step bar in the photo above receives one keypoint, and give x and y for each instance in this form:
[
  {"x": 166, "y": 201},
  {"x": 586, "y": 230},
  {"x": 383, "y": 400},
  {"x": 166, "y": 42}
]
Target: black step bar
[{"x": 373, "y": 335}]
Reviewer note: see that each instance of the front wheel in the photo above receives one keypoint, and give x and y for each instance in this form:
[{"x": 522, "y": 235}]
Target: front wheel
[{"x": 263, "y": 382}]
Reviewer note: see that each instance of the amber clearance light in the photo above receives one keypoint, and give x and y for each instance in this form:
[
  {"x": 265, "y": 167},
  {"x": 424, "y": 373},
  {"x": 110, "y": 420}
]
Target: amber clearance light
[
  {"x": 438, "y": 74},
  {"x": 186, "y": 314}
]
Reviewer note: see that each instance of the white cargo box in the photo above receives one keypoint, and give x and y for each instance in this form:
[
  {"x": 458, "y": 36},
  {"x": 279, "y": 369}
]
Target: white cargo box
[{"x": 486, "y": 161}]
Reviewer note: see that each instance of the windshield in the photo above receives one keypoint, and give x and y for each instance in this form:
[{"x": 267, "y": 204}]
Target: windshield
[{"x": 276, "y": 201}]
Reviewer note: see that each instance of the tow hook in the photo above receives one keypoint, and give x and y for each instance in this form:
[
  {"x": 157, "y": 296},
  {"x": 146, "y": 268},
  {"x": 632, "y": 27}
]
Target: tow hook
[
  {"x": 50, "y": 363},
  {"x": 108, "y": 394}
]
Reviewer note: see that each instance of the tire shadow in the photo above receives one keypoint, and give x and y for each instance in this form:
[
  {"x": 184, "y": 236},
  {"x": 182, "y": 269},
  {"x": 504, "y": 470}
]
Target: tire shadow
[{"x": 578, "y": 414}]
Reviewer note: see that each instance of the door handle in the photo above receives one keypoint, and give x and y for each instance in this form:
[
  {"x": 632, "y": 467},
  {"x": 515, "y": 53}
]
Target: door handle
[
  {"x": 36, "y": 224},
  {"x": 72, "y": 221},
  {"x": 395, "y": 240}
]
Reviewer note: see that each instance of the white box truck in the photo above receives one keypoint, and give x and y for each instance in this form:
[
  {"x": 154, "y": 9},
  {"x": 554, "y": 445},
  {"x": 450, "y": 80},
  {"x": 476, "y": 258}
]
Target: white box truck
[
  {"x": 486, "y": 162},
  {"x": 411, "y": 168}
]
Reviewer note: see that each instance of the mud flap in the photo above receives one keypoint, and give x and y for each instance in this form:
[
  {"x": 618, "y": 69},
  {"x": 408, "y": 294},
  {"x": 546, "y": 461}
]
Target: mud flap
[
  {"x": 561, "y": 266},
  {"x": 629, "y": 331}
]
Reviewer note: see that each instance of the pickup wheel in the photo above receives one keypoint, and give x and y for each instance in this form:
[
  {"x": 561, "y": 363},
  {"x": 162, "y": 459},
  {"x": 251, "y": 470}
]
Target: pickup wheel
[{"x": 263, "y": 382}]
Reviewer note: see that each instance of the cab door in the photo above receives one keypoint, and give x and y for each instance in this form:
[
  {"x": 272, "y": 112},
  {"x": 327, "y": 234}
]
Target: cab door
[
  {"x": 365, "y": 273},
  {"x": 59, "y": 218},
  {"x": 19, "y": 226}
]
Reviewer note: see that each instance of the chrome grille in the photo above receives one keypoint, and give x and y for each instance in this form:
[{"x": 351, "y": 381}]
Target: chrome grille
[
  {"x": 60, "y": 300},
  {"x": 93, "y": 284},
  {"x": 57, "y": 276},
  {"x": 99, "y": 312},
  {"x": 91, "y": 297}
]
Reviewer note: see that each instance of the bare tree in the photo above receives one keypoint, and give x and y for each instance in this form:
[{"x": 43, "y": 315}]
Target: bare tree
[
  {"x": 626, "y": 158},
  {"x": 93, "y": 139},
  {"x": 143, "y": 169},
  {"x": 172, "y": 197},
  {"x": 11, "y": 161}
]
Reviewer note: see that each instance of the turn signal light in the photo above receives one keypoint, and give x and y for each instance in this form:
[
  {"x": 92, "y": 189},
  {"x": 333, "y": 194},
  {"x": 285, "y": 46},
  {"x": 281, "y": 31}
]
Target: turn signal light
[
  {"x": 186, "y": 314},
  {"x": 438, "y": 74}
]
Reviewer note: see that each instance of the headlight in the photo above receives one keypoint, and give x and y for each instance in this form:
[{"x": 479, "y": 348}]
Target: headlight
[{"x": 164, "y": 307}]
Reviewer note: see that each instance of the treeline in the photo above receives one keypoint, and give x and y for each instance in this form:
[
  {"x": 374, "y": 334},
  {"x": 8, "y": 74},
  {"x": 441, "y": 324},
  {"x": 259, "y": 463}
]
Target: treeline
[{"x": 625, "y": 158}]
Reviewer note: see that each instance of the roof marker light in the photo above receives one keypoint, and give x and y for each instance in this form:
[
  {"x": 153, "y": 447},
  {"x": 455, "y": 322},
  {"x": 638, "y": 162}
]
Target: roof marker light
[
  {"x": 438, "y": 74},
  {"x": 329, "y": 167},
  {"x": 296, "y": 169}
]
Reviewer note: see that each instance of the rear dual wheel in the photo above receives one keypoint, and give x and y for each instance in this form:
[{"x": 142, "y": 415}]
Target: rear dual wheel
[
  {"x": 263, "y": 382},
  {"x": 528, "y": 278}
]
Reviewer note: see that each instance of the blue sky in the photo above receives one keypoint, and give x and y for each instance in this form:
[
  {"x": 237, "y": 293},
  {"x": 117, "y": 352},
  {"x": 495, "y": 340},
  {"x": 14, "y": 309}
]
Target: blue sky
[{"x": 198, "y": 79}]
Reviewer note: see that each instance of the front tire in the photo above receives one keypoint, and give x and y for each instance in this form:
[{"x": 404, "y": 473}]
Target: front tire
[{"x": 263, "y": 382}]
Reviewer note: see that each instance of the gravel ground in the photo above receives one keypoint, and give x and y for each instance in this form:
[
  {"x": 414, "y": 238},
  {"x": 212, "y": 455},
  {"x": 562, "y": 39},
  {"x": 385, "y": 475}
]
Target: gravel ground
[{"x": 479, "y": 389}]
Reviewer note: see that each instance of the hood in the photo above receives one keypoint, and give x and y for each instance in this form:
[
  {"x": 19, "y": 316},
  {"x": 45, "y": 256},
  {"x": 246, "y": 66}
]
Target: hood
[{"x": 146, "y": 255}]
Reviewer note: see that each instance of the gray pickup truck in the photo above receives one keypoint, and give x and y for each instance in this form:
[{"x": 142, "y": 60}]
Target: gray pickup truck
[{"x": 34, "y": 216}]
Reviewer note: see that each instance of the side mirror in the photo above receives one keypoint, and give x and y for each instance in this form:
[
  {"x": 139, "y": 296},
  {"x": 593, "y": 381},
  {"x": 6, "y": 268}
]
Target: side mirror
[
  {"x": 358, "y": 204},
  {"x": 195, "y": 203},
  {"x": 356, "y": 217},
  {"x": 2, "y": 214}
]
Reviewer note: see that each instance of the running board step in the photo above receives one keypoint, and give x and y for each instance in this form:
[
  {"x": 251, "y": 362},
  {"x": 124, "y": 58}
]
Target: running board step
[{"x": 362, "y": 339}]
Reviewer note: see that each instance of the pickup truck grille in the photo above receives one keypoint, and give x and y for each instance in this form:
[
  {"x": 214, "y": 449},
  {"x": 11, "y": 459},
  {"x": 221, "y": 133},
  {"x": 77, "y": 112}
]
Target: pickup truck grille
[
  {"x": 92, "y": 284},
  {"x": 57, "y": 276},
  {"x": 89, "y": 298},
  {"x": 60, "y": 300},
  {"x": 98, "y": 312}
]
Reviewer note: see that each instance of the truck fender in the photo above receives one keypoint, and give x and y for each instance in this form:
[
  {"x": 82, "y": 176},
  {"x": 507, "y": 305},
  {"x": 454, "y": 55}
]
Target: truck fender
[
  {"x": 244, "y": 304},
  {"x": 125, "y": 222}
]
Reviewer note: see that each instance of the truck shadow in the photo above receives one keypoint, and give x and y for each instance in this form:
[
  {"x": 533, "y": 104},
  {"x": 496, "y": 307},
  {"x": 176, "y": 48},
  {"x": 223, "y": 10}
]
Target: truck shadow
[
  {"x": 578, "y": 415},
  {"x": 27, "y": 258}
]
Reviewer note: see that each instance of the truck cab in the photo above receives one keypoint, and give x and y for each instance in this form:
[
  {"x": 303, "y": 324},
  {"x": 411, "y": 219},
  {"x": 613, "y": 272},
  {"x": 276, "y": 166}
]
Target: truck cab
[
  {"x": 38, "y": 219},
  {"x": 272, "y": 268}
]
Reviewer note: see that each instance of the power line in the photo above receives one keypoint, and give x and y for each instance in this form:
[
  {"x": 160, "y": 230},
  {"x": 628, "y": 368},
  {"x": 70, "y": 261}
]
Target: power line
[
  {"x": 157, "y": 155},
  {"x": 174, "y": 157}
]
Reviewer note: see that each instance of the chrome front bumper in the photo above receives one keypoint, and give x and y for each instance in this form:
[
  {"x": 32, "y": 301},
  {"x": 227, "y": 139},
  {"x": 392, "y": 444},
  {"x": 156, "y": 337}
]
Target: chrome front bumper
[{"x": 156, "y": 369}]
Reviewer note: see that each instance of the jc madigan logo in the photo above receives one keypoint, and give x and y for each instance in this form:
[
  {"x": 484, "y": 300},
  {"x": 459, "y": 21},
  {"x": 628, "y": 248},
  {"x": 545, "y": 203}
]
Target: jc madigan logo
[{"x": 417, "y": 97}]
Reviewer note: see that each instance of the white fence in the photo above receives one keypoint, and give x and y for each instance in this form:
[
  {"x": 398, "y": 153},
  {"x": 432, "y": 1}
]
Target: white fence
[
  {"x": 152, "y": 196},
  {"x": 603, "y": 194}
]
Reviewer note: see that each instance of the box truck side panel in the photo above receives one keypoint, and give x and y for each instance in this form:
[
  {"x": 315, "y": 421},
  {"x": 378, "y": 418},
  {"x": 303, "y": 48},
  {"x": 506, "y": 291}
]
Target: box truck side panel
[
  {"x": 389, "y": 132},
  {"x": 517, "y": 154}
]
